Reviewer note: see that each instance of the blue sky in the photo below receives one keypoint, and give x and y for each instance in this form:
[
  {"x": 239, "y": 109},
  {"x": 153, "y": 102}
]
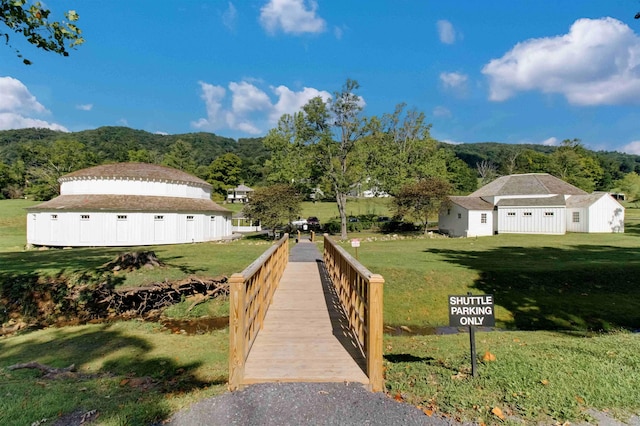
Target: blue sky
[{"x": 503, "y": 71}]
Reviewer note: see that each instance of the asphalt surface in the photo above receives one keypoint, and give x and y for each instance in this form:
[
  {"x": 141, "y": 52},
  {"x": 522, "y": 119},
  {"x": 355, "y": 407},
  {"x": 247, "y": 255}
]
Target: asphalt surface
[
  {"x": 303, "y": 404},
  {"x": 305, "y": 251}
]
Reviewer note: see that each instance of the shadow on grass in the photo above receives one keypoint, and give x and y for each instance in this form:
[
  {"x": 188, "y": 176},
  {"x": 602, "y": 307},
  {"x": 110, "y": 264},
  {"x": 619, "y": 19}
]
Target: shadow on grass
[
  {"x": 398, "y": 358},
  {"x": 632, "y": 229},
  {"x": 549, "y": 288},
  {"x": 117, "y": 376}
]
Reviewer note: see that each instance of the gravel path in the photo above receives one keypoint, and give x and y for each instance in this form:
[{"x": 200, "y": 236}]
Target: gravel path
[
  {"x": 305, "y": 251},
  {"x": 303, "y": 404}
]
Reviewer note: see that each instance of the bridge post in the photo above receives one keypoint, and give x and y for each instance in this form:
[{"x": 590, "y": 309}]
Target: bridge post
[
  {"x": 374, "y": 336},
  {"x": 237, "y": 356}
]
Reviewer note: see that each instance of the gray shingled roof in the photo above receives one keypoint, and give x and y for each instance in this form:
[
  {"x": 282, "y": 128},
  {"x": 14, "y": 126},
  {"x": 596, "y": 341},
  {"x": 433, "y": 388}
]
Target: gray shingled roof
[
  {"x": 558, "y": 200},
  {"x": 527, "y": 184},
  {"x": 127, "y": 203},
  {"x": 240, "y": 187},
  {"x": 579, "y": 201},
  {"x": 142, "y": 171},
  {"x": 471, "y": 203}
]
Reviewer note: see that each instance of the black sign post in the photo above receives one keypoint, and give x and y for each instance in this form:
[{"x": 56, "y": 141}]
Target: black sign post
[{"x": 471, "y": 311}]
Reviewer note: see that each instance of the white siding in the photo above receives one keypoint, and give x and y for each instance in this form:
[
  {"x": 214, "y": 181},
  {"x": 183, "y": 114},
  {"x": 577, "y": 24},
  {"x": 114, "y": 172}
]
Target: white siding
[
  {"x": 606, "y": 215},
  {"x": 476, "y": 227},
  {"x": 453, "y": 221},
  {"x": 105, "y": 229},
  {"x": 133, "y": 187},
  {"x": 531, "y": 220},
  {"x": 577, "y": 220},
  {"x": 456, "y": 221}
]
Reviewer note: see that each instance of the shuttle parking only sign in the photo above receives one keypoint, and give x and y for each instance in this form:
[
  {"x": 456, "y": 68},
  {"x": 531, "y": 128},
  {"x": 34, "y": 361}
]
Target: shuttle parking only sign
[{"x": 469, "y": 310}]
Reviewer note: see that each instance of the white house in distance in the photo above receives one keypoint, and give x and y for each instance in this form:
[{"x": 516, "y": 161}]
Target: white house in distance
[
  {"x": 534, "y": 203},
  {"x": 238, "y": 194},
  {"x": 128, "y": 204}
]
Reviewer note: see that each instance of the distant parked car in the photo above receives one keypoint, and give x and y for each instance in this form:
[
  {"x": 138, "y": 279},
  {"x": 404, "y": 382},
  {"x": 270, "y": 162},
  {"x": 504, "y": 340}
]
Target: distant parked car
[
  {"x": 313, "y": 221},
  {"x": 299, "y": 222}
]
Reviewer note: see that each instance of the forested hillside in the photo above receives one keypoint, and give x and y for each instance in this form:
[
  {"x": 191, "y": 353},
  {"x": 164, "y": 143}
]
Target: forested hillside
[{"x": 31, "y": 160}]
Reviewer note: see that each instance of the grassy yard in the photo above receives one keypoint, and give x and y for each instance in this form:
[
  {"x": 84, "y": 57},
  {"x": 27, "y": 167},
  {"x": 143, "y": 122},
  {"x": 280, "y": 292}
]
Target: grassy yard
[
  {"x": 132, "y": 373},
  {"x": 557, "y": 294}
]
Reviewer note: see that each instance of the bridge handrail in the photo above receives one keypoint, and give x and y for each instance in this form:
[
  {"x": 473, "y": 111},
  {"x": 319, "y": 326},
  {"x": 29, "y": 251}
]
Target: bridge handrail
[
  {"x": 360, "y": 292},
  {"x": 250, "y": 294}
]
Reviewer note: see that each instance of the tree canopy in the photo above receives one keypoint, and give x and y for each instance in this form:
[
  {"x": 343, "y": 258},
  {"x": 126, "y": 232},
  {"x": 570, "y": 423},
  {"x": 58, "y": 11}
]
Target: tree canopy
[{"x": 31, "y": 20}]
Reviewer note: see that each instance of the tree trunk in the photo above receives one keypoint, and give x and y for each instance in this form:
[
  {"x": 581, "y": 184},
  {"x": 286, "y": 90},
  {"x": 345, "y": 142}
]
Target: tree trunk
[{"x": 341, "y": 199}]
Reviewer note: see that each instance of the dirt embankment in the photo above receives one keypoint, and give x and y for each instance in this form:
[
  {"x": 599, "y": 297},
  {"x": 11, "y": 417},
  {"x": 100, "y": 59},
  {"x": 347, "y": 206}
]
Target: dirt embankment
[{"x": 29, "y": 300}]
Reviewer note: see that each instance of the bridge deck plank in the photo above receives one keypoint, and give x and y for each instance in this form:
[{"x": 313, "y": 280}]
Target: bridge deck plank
[{"x": 305, "y": 337}]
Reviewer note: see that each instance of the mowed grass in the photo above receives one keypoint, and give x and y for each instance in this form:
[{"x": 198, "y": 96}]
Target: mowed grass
[
  {"x": 565, "y": 282},
  {"x": 534, "y": 377},
  {"x": 13, "y": 223},
  {"x": 131, "y": 373},
  {"x": 561, "y": 283}
]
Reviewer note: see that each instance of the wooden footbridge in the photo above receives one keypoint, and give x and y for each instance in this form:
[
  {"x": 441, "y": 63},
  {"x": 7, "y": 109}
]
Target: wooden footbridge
[{"x": 299, "y": 316}]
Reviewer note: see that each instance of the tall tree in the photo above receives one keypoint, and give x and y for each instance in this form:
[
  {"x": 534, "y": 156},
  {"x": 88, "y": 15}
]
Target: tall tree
[
  {"x": 224, "y": 173},
  {"x": 51, "y": 162},
  {"x": 400, "y": 149},
  {"x": 422, "y": 199},
  {"x": 274, "y": 206},
  {"x": 180, "y": 156},
  {"x": 571, "y": 162},
  {"x": 319, "y": 143},
  {"x": 32, "y": 21}
]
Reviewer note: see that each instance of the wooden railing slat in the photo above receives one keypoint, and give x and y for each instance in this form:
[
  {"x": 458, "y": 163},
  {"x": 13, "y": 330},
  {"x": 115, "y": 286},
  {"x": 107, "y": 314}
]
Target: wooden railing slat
[
  {"x": 250, "y": 295},
  {"x": 361, "y": 294}
]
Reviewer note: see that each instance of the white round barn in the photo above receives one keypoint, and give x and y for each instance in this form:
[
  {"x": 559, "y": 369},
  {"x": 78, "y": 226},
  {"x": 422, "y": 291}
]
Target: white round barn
[{"x": 128, "y": 204}]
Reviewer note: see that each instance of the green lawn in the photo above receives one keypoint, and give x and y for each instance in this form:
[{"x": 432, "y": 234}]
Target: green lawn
[
  {"x": 552, "y": 291},
  {"x": 573, "y": 281}
]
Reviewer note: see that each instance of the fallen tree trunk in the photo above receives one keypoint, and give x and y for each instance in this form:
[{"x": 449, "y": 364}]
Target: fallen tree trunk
[{"x": 140, "y": 300}]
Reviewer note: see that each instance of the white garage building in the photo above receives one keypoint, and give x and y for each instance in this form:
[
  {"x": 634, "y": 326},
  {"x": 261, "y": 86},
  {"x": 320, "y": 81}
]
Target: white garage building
[
  {"x": 534, "y": 203},
  {"x": 128, "y": 204}
]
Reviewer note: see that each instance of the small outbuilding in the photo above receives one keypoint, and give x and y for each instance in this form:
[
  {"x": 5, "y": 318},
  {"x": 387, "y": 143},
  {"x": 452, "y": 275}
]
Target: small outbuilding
[
  {"x": 533, "y": 203},
  {"x": 128, "y": 204},
  {"x": 240, "y": 194}
]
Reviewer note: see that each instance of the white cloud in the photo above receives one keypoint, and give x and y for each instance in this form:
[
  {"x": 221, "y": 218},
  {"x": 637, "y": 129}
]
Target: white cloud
[
  {"x": 85, "y": 107},
  {"x": 123, "y": 122},
  {"x": 338, "y": 32},
  {"x": 230, "y": 16},
  {"x": 250, "y": 109},
  {"x": 15, "y": 97},
  {"x": 291, "y": 16},
  {"x": 18, "y": 107},
  {"x": 446, "y": 32},
  {"x": 552, "y": 141},
  {"x": 632, "y": 148},
  {"x": 596, "y": 63},
  {"x": 452, "y": 142},
  {"x": 10, "y": 120},
  {"x": 441, "y": 111},
  {"x": 453, "y": 80}
]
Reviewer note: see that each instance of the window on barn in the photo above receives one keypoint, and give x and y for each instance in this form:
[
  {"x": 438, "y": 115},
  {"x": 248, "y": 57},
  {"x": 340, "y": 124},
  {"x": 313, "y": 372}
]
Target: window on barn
[
  {"x": 84, "y": 217},
  {"x": 189, "y": 217},
  {"x": 511, "y": 213},
  {"x": 122, "y": 217},
  {"x": 527, "y": 214},
  {"x": 54, "y": 217},
  {"x": 548, "y": 214},
  {"x": 483, "y": 218},
  {"x": 448, "y": 212},
  {"x": 213, "y": 218},
  {"x": 459, "y": 215},
  {"x": 158, "y": 217},
  {"x": 576, "y": 217}
]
